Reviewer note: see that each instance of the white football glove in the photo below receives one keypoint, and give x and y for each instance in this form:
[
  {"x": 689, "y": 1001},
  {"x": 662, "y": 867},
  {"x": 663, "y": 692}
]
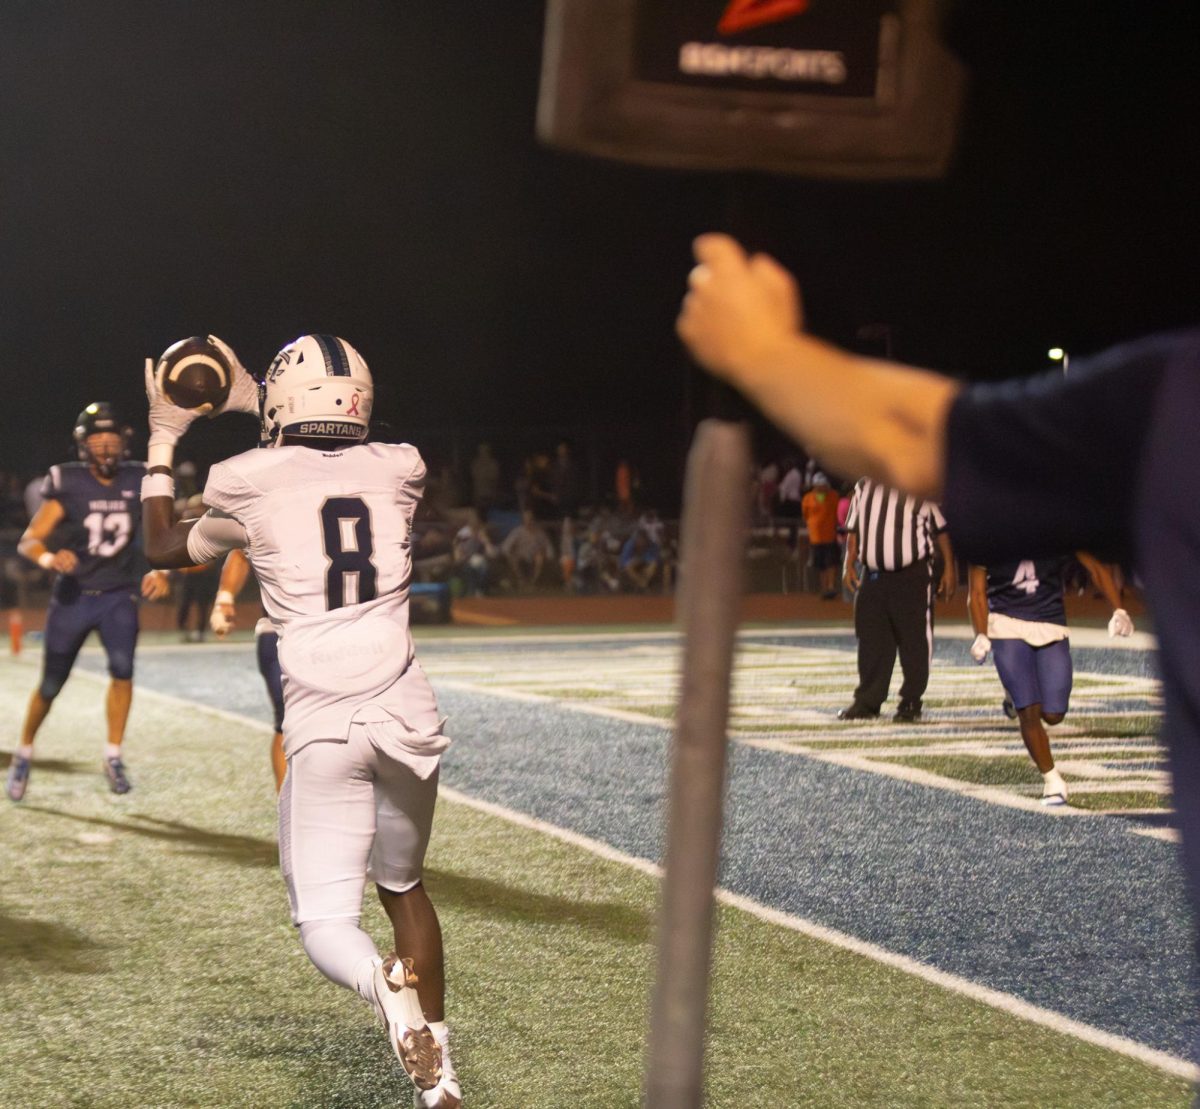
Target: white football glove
[
  {"x": 168, "y": 421},
  {"x": 1120, "y": 624},
  {"x": 243, "y": 389},
  {"x": 980, "y": 648},
  {"x": 223, "y": 617}
]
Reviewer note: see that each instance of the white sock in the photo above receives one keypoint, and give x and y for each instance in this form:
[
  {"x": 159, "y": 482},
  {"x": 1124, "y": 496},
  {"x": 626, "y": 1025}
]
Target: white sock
[
  {"x": 364, "y": 978},
  {"x": 1054, "y": 782},
  {"x": 440, "y": 1030},
  {"x": 25, "y": 751},
  {"x": 112, "y": 750}
]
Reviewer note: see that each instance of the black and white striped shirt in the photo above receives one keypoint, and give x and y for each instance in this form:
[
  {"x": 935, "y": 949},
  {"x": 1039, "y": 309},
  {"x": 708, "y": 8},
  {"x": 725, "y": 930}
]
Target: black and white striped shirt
[{"x": 894, "y": 530}]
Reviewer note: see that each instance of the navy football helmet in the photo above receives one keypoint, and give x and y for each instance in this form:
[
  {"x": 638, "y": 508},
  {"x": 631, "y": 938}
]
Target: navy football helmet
[{"x": 100, "y": 418}]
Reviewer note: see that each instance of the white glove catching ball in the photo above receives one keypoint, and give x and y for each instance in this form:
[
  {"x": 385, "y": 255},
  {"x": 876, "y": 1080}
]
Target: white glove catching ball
[
  {"x": 981, "y": 648},
  {"x": 243, "y": 389},
  {"x": 1120, "y": 624},
  {"x": 168, "y": 421}
]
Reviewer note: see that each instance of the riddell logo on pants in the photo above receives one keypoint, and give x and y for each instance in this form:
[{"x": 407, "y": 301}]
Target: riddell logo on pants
[{"x": 742, "y": 15}]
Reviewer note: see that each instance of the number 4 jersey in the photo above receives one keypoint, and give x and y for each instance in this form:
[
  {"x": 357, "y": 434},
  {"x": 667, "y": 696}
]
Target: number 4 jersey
[
  {"x": 329, "y": 534},
  {"x": 1031, "y": 589},
  {"x": 100, "y": 523}
]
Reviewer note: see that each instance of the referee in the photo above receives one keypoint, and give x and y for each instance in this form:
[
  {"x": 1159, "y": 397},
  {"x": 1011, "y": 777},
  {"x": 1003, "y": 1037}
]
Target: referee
[{"x": 897, "y": 538}]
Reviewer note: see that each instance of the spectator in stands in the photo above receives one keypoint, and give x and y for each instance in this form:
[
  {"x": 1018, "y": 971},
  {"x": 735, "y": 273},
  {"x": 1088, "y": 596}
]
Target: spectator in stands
[
  {"x": 768, "y": 486},
  {"x": 527, "y": 549},
  {"x": 485, "y": 479},
  {"x": 565, "y": 483},
  {"x": 790, "y": 498},
  {"x": 820, "y": 508},
  {"x": 640, "y": 561},
  {"x": 566, "y": 552},
  {"x": 541, "y": 493},
  {"x": 589, "y": 561},
  {"x": 473, "y": 555},
  {"x": 650, "y": 523}
]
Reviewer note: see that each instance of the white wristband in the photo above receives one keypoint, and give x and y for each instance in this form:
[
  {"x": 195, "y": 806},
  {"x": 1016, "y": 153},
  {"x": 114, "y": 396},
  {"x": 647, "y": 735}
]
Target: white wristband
[
  {"x": 224, "y": 597},
  {"x": 158, "y": 485},
  {"x": 46, "y": 560},
  {"x": 161, "y": 454}
]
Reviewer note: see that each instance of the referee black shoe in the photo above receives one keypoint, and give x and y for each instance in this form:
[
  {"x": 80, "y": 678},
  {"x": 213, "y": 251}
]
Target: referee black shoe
[
  {"x": 857, "y": 712},
  {"x": 907, "y": 712}
]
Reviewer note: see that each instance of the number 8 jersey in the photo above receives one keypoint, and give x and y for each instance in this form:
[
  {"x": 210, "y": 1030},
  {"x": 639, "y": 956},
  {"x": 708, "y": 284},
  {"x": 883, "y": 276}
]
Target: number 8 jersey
[{"x": 329, "y": 534}]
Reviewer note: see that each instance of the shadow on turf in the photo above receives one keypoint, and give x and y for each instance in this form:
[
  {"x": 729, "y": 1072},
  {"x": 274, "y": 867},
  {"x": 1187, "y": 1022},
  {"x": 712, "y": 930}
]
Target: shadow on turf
[
  {"x": 54, "y": 766},
  {"x": 49, "y": 945},
  {"x": 243, "y": 850},
  {"x": 497, "y": 899}
]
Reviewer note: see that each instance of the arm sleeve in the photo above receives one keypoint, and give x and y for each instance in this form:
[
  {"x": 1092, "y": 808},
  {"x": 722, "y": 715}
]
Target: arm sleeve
[
  {"x": 411, "y": 484},
  {"x": 213, "y": 535},
  {"x": 226, "y": 490},
  {"x": 1039, "y": 467}
]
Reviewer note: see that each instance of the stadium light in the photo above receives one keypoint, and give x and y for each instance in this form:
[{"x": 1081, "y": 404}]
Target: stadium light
[{"x": 1057, "y": 354}]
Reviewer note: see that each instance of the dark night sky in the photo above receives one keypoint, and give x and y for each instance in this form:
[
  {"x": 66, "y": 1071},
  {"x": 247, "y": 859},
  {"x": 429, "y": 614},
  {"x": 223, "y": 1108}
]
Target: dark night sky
[{"x": 259, "y": 168}]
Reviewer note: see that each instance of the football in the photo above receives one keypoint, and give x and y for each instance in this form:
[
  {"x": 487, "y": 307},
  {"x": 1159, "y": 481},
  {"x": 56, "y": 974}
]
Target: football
[{"x": 195, "y": 372}]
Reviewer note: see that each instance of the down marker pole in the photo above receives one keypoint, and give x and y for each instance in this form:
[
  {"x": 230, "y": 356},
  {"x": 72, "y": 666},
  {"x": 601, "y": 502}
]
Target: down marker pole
[{"x": 715, "y": 517}]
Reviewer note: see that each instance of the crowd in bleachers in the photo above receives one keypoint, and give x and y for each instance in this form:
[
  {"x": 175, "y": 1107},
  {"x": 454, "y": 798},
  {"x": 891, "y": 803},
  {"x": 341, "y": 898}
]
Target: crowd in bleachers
[{"x": 541, "y": 532}]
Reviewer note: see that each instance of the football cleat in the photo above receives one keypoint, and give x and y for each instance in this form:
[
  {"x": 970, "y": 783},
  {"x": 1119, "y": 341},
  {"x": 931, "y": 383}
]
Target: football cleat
[
  {"x": 118, "y": 780},
  {"x": 447, "y": 1094},
  {"x": 1009, "y": 709},
  {"x": 397, "y": 1003},
  {"x": 1054, "y": 789},
  {"x": 18, "y": 778}
]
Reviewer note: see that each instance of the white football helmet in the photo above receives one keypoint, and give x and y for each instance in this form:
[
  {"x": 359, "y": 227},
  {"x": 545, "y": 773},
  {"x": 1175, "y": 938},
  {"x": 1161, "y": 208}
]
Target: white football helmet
[{"x": 318, "y": 387}]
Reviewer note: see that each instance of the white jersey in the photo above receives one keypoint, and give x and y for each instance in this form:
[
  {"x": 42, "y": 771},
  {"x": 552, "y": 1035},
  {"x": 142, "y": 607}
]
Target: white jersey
[{"x": 329, "y": 535}]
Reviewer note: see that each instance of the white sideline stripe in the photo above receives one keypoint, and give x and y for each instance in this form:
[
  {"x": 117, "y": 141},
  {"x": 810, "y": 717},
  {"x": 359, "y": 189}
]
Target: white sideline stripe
[
  {"x": 141, "y": 691},
  {"x": 1005, "y": 1003}
]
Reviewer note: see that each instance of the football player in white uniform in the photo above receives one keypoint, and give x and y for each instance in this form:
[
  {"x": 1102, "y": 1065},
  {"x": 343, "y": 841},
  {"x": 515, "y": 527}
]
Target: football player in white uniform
[{"x": 326, "y": 519}]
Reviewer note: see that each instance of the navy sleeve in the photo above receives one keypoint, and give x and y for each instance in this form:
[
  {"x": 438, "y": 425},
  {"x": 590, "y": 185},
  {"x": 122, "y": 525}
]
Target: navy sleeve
[{"x": 1048, "y": 465}]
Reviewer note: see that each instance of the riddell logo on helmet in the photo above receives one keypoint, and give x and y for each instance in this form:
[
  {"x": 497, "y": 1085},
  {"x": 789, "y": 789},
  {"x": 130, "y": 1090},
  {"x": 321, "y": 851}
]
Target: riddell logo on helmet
[{"x": 742, "y": 15}]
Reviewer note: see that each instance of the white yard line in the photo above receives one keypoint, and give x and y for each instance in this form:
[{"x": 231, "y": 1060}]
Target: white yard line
[
  {"x": 1006, "y": 1003},
  {"x": 1014, "y": 1006}
]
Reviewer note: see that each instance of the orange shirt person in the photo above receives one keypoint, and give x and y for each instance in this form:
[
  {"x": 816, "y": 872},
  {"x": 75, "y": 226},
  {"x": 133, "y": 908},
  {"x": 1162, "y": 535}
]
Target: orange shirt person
[{"x": 820, "y": 510}]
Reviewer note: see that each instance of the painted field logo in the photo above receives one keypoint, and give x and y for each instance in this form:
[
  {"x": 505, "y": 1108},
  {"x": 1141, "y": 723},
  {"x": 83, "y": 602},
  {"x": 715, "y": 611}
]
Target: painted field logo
[{"x": 742, "y": 15}]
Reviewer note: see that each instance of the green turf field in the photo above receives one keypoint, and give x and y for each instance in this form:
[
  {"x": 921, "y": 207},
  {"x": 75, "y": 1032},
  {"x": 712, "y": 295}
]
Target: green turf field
[{"x": 146, "y": 959}]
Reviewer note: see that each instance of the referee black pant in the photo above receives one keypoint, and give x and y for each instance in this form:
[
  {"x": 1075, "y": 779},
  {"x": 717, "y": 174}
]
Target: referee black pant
[{"x": 893, "y": 611}]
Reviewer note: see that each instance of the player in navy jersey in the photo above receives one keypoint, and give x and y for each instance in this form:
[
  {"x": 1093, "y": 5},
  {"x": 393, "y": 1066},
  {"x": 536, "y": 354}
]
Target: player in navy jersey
[
  {"x": 1018, "y": 615},
  {"x": 92, "y": 510}
]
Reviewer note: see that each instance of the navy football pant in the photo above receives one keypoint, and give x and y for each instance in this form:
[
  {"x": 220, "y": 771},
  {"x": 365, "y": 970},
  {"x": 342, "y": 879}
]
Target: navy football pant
[
  {"x": 267, "y": 645},
  {"x": 1035, "y": 675},
  {"x": 114, "y": 614}
]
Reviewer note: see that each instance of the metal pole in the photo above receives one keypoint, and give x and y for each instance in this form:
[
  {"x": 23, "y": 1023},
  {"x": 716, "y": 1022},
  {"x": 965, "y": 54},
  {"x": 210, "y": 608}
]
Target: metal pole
[{"x": 715, "y": 518}]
